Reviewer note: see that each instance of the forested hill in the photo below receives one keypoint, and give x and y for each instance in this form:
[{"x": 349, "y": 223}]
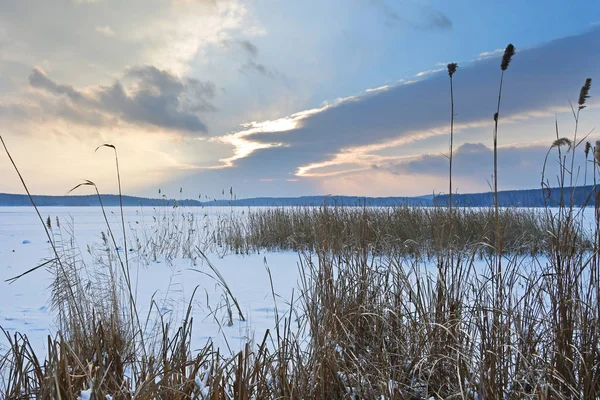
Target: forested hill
[
  {"x": 521, "y": 198},
  {"x": 582, "y": 195},
  {"x": 110, "y": 200}
]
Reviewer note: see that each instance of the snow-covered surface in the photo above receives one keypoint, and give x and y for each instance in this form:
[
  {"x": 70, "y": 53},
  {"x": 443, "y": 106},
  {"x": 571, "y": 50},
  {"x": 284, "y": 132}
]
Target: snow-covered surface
[{"x": 25, "y": 307}]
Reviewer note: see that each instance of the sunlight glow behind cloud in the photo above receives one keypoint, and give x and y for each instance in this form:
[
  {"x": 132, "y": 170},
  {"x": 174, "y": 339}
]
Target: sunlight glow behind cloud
[{"x": 206, "y": 93}]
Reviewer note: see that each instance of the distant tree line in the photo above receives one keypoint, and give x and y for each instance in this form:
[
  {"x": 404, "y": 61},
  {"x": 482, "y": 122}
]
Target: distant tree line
[
  {"x": 581, "y": 195},
  {"x": 508, "y": 198}
]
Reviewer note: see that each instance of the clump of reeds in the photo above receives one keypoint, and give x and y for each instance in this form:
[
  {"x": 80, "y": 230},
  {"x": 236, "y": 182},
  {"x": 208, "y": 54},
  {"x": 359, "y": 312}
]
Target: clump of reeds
[
  {"x": 572, "y": 284},
  {"x": 404, "y": 230},
  {"x": 100, "y": 348}
]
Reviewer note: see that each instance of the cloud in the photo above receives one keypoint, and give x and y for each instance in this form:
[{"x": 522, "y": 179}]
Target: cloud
[
  {"x": 475, "y": 160},
  {"x": 429, "y": 72},
  {"x": 428, "y": 19},
  {"x": 15, "y": 111},
  {"x": 396, "y": 125},
  {"x": 105, "y": 30},
  {"x": 435, "y": 20},
  {"x": 249, "y": 47},
  {"x": 519, "y": 167},
  {"x": 391, "y": 16},
  {"x": 155, "y": 97},
  {"x": 40, "y": 80},
  {"x": 252, "y": 66},
  {"x": 167, "y": 34},
  {"x": 489, "y": 54}
]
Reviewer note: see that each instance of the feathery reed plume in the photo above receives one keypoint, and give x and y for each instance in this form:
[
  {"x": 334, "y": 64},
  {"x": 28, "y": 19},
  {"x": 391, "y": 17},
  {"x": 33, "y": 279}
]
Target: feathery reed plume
[
  {"x": 588, "y": 146},
  {"x": 597, "y": 152},
  {"x": 584, "y": 93},
  {"x": 562, "y": 142},
  {"x": 509, "y": 52},
  {"x": 451, "y": 70},
  {"x": 583, "y": 96}
]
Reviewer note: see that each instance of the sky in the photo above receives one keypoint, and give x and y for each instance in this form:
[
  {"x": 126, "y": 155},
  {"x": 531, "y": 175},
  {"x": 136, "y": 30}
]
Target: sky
[{"x": 291, "y": 98}]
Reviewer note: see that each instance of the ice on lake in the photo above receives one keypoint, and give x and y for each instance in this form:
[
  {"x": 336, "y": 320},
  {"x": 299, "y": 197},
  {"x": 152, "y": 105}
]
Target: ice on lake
[{"x": 169, "y": 281}]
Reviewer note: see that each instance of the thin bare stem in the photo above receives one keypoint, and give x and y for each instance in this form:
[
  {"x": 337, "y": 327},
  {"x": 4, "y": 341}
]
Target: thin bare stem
[{"x": 52, "y": 244}]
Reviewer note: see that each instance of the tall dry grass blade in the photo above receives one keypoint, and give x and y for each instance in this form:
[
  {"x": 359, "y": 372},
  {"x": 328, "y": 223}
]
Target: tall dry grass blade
[
  {"x": 132, "y": 302},
  {"x": 222, "y": 282}
]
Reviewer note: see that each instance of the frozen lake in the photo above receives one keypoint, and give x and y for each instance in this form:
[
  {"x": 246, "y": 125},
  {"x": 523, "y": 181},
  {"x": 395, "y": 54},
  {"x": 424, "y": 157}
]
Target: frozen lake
[
  {"x": 166, "y": 276},
  {"x": 25, "y": 304}
]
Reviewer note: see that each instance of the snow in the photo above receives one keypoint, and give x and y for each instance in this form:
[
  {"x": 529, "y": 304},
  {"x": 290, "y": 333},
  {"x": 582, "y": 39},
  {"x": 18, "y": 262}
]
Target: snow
[
  {"x": 203, "y": 389},
  {"x": 24, "y": 304},
  {"x": 85, "y": 395}
]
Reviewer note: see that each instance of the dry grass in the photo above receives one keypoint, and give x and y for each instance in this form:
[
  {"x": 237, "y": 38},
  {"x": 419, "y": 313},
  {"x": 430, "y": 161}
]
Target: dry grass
[
  {"x": 377, "y": 326},
  {"x": 400, "y": 230}
]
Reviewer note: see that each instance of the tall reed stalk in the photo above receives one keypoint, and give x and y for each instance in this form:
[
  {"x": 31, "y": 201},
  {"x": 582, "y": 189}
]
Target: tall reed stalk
[
  {"x": 509, "y": 52},
  {"x": 583, "y": 96},
  {"x": 588, "y": 147},
  {"x": 496, "y": 358},
  {"x": 451, "y": 70}
]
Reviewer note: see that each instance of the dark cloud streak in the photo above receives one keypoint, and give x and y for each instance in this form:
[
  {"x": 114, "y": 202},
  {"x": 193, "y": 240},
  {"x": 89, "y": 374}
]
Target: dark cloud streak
[
  {"x": 161, "y": 99},
  {"x": 534, "y": 83},
  {"x": 518, "y": 167},
  {"x": 430, "y": 20},
  {"x": 539, "y": 80},
  {"x": 436, "y": 20},
  {"x": 39, "y": 79},
  {"x": 252, "y": 66},
  {"x": 249, "y": 47}
]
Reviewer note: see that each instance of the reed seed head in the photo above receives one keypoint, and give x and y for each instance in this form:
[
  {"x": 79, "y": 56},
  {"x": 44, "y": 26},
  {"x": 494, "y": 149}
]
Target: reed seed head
[
  {"x": 562, "y": 142},
  {"x": 452, "y": 69},
  {"x": 496, "y": 116},
  {"x": 509, "y": 52},
  {"x": 588, "y": 146},
  {"x": 597, "y": 152},
  {"x": 584, "y": 93}
]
